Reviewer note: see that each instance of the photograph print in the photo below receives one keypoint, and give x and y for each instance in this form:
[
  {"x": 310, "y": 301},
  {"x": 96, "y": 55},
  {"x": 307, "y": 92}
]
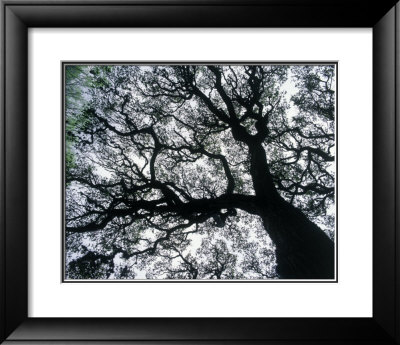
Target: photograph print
[{"x": 199, "y": 172}]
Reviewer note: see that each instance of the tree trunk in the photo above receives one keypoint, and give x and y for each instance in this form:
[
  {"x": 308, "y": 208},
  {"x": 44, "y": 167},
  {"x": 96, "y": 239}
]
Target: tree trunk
[{"x": 303, "y": 250}]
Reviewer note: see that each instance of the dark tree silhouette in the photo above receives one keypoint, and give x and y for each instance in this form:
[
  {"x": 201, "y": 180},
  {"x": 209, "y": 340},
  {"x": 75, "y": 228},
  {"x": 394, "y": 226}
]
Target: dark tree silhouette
[{"x": 200, "y": 172}]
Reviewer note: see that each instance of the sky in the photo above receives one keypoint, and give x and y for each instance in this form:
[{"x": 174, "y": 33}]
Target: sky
[{"x": 196, "y": 239}]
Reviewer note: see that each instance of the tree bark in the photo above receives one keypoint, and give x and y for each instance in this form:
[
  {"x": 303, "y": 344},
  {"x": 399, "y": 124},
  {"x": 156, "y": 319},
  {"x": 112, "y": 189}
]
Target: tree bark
[{"x": 303, "y": 250}]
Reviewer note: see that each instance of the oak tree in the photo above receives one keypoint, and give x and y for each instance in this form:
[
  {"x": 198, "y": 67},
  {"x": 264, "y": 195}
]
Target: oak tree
[{"x": 200, "y": 172}]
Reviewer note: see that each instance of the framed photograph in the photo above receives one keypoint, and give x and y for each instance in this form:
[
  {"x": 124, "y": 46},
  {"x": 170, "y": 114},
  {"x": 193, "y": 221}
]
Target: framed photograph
[
  {"x": 162, "y": 181},
  {"x": 176, "y": 165}
]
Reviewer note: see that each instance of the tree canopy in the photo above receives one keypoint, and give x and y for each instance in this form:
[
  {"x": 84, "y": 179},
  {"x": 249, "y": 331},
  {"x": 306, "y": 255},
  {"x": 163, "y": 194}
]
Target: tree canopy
[{"x": 200, "y": 172}]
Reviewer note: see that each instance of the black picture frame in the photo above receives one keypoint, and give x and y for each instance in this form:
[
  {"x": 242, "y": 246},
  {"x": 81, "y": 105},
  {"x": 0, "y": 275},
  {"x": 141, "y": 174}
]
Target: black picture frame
[{"x": 19, "y": 15}]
